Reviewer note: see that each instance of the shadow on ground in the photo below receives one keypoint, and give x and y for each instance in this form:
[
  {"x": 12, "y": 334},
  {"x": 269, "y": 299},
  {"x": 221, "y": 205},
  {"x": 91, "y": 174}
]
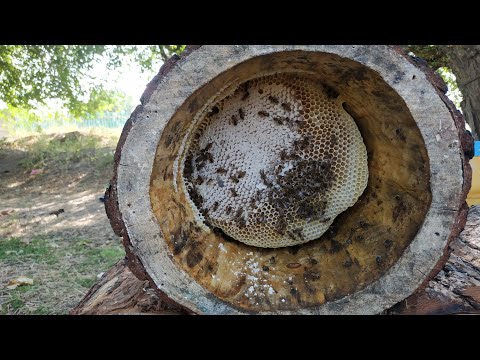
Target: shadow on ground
[{"x": 62, "y": 251}]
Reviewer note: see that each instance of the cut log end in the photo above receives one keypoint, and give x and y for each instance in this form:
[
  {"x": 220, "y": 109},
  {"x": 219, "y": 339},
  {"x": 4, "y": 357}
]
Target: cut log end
[
  {"x": 454, "y": 290},
  {"x": 375, "y": 253}
]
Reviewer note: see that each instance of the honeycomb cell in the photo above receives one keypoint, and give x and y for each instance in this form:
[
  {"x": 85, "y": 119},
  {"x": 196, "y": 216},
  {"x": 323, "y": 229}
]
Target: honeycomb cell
[{"x": 275, "y": 161}]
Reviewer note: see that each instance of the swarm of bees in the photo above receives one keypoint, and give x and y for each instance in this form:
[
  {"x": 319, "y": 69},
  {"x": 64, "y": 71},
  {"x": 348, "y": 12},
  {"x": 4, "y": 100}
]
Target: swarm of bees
[
  {"x": 295, "y": 191},
  {"x": 299, "y": 189},
  {"x": 287, "y": 192}
]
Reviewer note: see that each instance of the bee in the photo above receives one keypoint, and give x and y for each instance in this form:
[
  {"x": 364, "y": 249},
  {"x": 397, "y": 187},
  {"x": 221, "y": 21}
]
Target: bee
[
  {"x": 244, "y": 87},
  {"x": 283, "y": 155},
  {"x": 281, "y": 226},
  {"x": 199, "y": 158},
  {"x": 298, "y": 232},
  {"x": 331, "y": 92},
  {"x": 258, "y": 195},
  {"x": 273, "y": 99},
  {"x": 333, "y": 140},
  {"x": 234, "y": 193},
  {"x": 239, "y": 212},
  {"x": 261, "y": 219},
  {"x": 291, "y": 236},
  {"x": 302, "y": 144},
  {"x": 292, "y": 124},
  {"x": 278, "y": 120},
  {"x": 199, "y": 180},
  {"x": 214, "y": 111},
  {"x": 200, "y": 165},
  {"x": 221, "y": 170},
  {"x": 278, "y": 170},
  {"x": 188, "y": 169},
  {"x": 215, "y": 206},
  {"x": 209, "y": 157},
  {"x": 234, "y": 179},
  {"x": 241, "y": 174},
  {"x": 239, "y": 218},
  {"x": 300, "y": 123},
  {"x": 263, "y": 113},
  {"x": 252, "y": 203},
  {"x": 286, "y": 107},
  {"x": 208, "y": 147},
  {"x": 242, "y": 222},
  {"x": 241, "y": 113},
  {"x": 196, "y": 197},
  {"x": 234, "y": 120},
  {"x": 264, "y": 179},
  {"x": 228, "y": 210},
  {"x": 306, "y": 211}
]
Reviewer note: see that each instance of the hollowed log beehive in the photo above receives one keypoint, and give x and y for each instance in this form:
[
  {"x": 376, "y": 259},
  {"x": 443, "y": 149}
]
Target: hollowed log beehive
[{"x": 290, "y": 179}]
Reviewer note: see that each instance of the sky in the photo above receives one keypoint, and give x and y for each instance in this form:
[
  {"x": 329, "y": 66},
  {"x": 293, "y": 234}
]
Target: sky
[{"x": 128, "y": 78}]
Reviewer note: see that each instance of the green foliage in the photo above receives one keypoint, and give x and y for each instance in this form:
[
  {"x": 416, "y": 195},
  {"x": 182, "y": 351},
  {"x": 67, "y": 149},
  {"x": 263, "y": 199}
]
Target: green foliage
[
  {"x": 435, "y": 55},
  {"x": 145, "y": 56},
  {"x": 31, "y": 74},
  {"x": 453, "y": 91}
]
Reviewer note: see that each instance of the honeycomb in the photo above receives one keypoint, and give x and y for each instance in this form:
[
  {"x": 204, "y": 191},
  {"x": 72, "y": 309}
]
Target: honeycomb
[{"x": 274, "y": 161}]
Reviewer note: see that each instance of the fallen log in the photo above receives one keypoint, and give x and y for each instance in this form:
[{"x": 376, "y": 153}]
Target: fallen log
[
  {"x": 454, "y": 290},
  {"x": 290, "y": 180}
]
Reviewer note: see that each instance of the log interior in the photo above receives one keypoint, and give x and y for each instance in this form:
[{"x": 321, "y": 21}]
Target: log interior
[{"x": 362, "y": 243}]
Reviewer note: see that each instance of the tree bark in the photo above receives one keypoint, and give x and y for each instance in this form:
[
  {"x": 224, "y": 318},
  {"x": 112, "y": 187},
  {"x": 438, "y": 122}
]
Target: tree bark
[
  {"x": 464, "y": 60},
  {"x": 119, "y": 292},
  {"x": 365, "y": 262},
  {"x": 455, "y": 290}
]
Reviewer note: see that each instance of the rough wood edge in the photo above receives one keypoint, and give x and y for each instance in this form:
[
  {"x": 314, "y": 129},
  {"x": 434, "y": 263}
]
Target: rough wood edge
[
  {"x": 121, "y": 292},
  {"x": 111, "y": 204},
  {"x": 111, "y": 200},
  {"x": 466, "y": 143}
]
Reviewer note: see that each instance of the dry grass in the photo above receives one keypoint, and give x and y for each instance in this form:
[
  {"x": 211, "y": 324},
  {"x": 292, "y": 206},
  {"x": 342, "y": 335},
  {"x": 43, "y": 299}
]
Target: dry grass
[{"x": 63, "y": 254}]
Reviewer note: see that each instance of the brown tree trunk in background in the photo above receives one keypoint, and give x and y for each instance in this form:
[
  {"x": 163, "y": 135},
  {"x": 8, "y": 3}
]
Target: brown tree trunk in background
[{"x": 464, "y": 61}]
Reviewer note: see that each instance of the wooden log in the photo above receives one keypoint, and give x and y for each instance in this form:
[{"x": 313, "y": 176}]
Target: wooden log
[
  {"x": 119, "y": 292},
  {"x": 374, "y": 255},
  {"x": 454, "y": 290}
]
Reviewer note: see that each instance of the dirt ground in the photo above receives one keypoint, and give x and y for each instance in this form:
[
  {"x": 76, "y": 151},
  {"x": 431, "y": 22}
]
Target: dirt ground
[{"x": 62, "y": 252}]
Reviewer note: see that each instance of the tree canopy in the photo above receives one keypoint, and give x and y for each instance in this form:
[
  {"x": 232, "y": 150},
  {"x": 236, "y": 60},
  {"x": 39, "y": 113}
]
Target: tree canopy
[{"x": 31, "y": 74}]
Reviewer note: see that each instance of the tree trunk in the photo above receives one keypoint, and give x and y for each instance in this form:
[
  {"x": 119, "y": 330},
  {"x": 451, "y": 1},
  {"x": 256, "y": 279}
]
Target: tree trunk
[
  {"x": 455, "y": 290},
  {"x": 120, "y": 292},
  {"x": 464, "y": 60},
  {"x": 376, "y": 253}
]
